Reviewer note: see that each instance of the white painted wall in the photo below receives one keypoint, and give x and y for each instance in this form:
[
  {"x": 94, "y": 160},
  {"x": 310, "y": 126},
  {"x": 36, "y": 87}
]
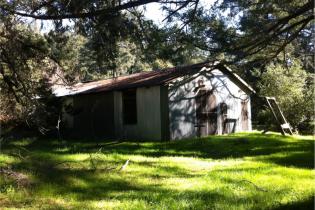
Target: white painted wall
[
  {"x": 148, "y": 126},
  {"x": 182, "y": 105}
]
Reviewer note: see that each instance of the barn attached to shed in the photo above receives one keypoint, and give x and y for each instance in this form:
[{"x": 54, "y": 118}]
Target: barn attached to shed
[{"x": 175, "y": 103}]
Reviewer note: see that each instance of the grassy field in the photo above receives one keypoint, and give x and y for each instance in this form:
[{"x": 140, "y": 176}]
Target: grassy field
[{"x": 241, "y": 171}]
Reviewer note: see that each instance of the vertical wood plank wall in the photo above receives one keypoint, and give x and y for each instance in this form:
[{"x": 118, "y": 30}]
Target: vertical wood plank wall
[
  {"x": 182, "y": 102},
  {"x": 148, "y": 126}
]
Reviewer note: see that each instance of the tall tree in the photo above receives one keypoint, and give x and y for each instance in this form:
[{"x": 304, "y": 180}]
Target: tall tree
[
  {"x": 25, "y": 71},
  {"x": 247, "y": 27},
  {"x": 293, "y": 90},
  {"x": 22, "y": 54}
]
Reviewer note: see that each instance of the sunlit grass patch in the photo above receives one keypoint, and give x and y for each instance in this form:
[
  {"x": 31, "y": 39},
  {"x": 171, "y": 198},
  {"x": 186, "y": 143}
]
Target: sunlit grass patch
[
  {"x": 7, "y": 159},
  {"x": 239, "y": 171}
]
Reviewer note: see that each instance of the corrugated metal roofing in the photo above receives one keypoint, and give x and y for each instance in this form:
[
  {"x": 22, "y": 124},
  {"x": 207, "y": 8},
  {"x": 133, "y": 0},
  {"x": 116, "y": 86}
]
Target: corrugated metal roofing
[{"x": 142, "y": 79}]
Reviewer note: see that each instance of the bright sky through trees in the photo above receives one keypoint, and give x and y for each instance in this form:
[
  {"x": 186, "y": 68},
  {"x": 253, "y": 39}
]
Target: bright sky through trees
[
  {"x": 152, "y": 11},
  {"x": 155, "y": 13}
]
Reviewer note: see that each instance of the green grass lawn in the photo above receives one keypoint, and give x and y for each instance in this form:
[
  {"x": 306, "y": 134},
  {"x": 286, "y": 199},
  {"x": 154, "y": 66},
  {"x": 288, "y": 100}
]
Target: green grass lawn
[{"x": 241, "y": 171}]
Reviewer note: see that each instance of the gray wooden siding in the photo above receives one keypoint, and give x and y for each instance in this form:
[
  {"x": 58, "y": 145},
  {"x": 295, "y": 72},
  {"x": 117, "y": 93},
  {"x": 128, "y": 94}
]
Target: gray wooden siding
[
  {"x": 165, "y": 131},
  {"x": 182, "y": 103},
  {"x": 163, "y": 112},
  {"x": 148, "y": 125}
]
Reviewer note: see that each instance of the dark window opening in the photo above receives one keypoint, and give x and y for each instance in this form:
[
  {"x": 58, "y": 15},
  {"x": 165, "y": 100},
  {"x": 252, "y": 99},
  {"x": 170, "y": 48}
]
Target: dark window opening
[
  {"x": 130, "y": 107},
  {"x": 224, "y": 109}
]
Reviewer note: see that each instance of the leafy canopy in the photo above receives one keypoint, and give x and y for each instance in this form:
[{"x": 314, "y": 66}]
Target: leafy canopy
[{"x": 292, "y": 89}]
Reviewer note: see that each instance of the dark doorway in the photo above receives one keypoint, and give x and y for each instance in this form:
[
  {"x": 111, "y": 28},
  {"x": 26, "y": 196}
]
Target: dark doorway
[
  {"x": 206, "y": 113},
  {"x": 244, "y": 115},
  {"x": 129, "y": 99},
  {"x": 223, "y": 115}
]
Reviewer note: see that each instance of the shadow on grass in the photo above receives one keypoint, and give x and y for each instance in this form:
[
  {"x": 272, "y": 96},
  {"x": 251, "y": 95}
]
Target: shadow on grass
[
  {"x": 282, "y": 150},
  {"x": 307, "y": 204},
  {"x": 300, "y": 159},
  {"x": 86, "y": 184}
]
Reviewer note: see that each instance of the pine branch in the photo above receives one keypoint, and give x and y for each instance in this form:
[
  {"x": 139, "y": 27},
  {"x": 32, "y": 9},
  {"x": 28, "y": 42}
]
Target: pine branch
[{"x": 106, "y": 13}]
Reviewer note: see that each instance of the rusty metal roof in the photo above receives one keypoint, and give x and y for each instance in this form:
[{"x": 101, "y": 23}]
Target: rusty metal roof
[{"x": 143, "y": 79}]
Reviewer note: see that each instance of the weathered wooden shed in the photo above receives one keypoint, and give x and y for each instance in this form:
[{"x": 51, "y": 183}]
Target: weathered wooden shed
[{"x": 174, "y": 103}]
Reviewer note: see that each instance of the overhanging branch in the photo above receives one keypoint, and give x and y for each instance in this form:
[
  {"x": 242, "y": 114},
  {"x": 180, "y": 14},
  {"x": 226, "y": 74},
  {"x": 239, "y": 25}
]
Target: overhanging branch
[{"x": 102, "y": 12}]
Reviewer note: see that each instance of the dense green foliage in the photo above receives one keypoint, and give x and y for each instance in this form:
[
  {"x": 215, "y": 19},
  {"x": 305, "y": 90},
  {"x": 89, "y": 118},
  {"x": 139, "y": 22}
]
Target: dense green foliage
[
  {"x": 292, "y": 89},
  {"x": 100, "y": 39},
  {"x": 249, "y": 32},
  {"x": 243, "y": 171},
  {"x": 24, "y": 68}
]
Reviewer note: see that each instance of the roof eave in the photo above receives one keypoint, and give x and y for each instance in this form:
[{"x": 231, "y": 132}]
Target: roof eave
[{"x": 229, "y": 72}]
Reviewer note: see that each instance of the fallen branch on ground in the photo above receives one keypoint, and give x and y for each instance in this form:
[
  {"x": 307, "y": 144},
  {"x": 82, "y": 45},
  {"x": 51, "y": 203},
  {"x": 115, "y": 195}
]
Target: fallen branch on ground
[
  {"x": 257, "y": 187},
  {"x": 125, "y": 165}
]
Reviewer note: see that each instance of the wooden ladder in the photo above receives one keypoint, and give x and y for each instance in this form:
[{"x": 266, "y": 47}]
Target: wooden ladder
[{"x": 277, "y": 113}]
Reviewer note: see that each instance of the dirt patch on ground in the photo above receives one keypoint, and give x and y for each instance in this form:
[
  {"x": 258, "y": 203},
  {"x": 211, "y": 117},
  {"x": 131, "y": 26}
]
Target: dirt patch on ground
[{"x": 20, "y": 179}]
